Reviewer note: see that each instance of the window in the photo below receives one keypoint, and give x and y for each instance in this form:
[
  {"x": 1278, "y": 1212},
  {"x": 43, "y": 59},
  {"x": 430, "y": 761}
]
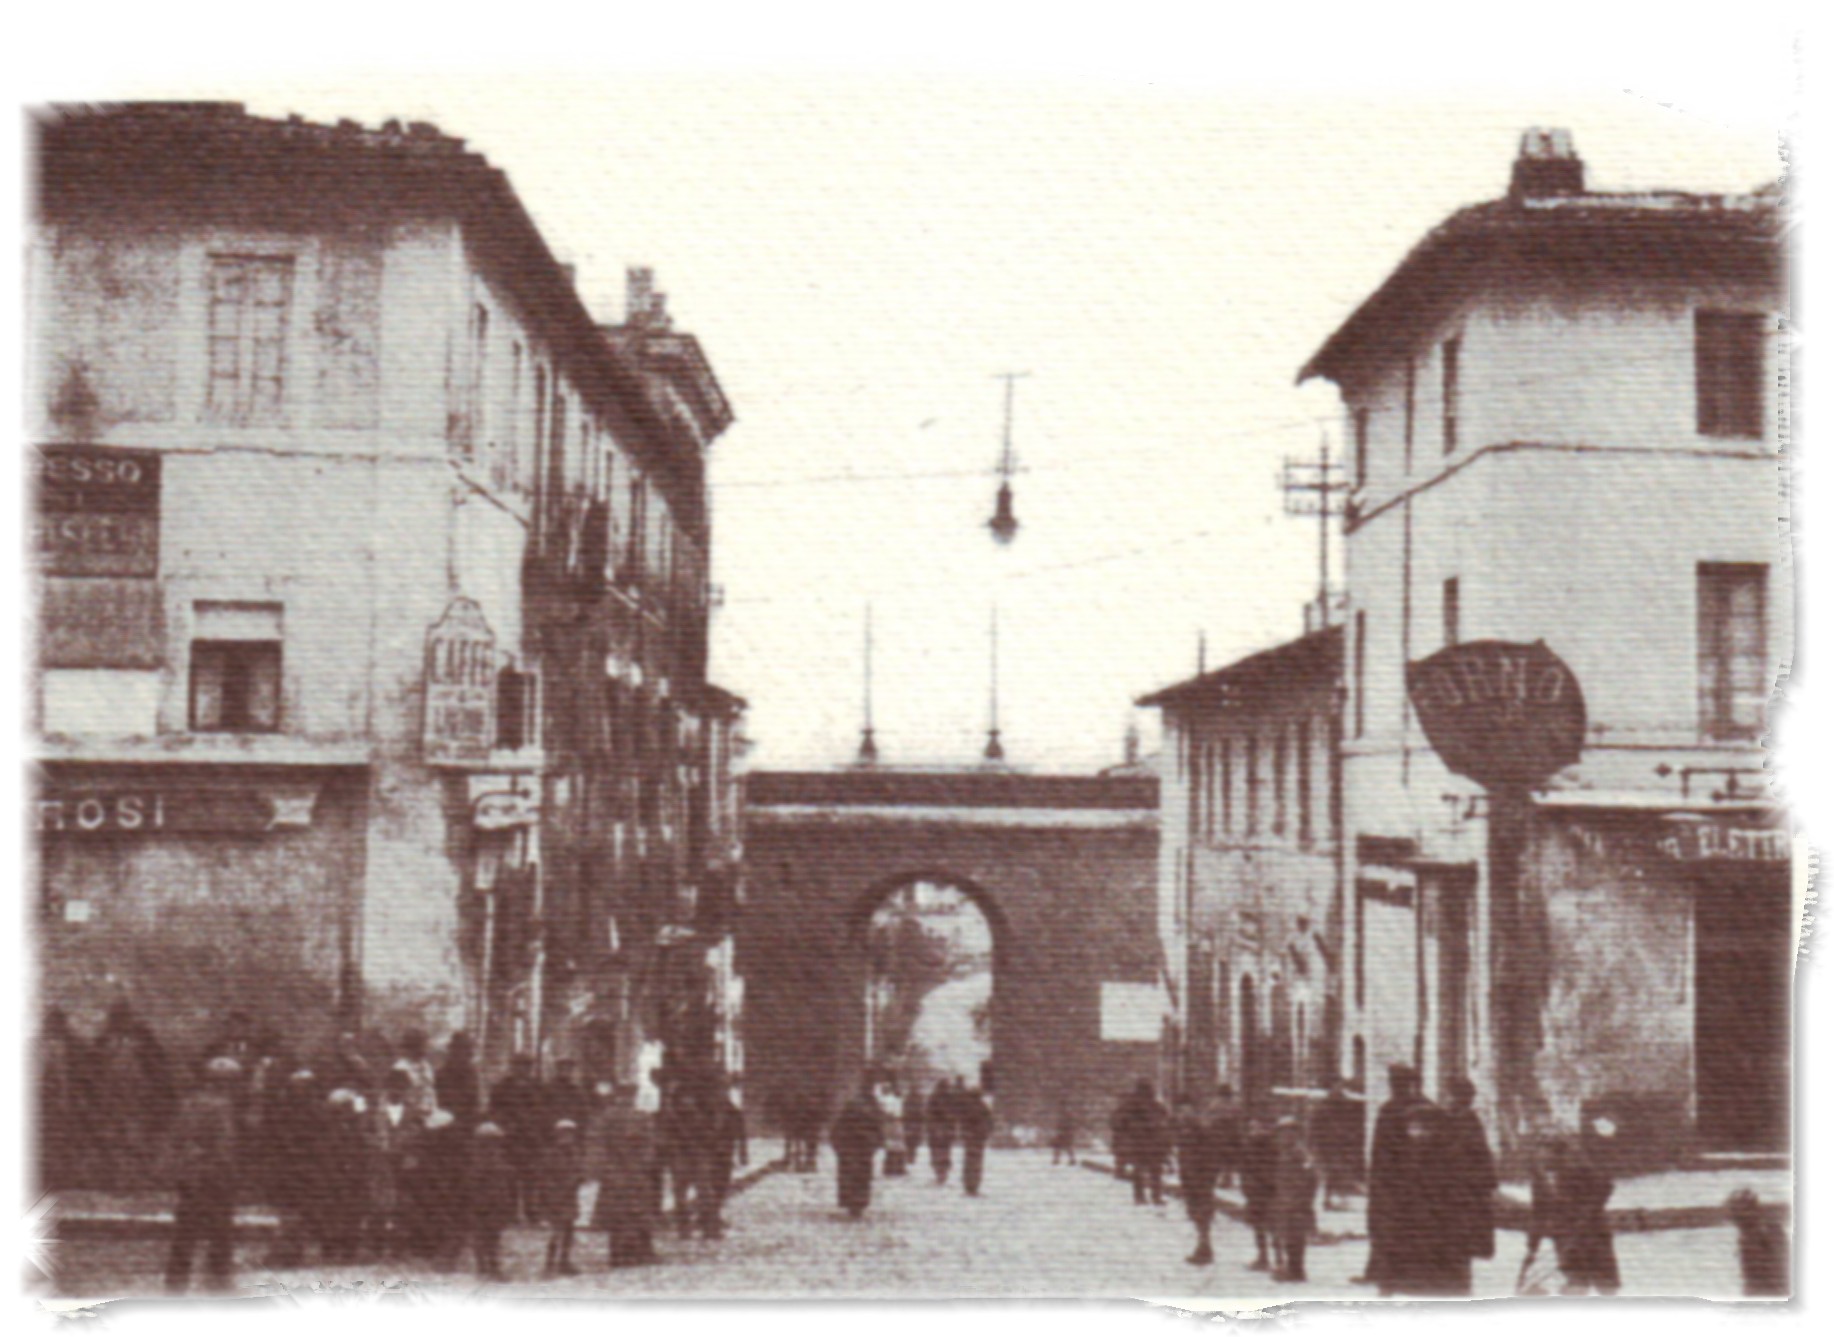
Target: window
[
  {"x": 1359, "y": 653},
  {"x": 1448, "y": 393},
  {"x": 1729, "y": 357},
  {"x": 476, "y": 428},
  {"x": 235, "y": 667},
  {"x": 1734, "y": 670},
  {"x": 1407, "y": 426},
  {"x": 249, "y": 300},
  {"x": 1280, "y": 742},
  {"x": 1228, "y": 786},
  {"x": 1448, "y": 609},
  {"x": 518, "y": 700},
  {"x": 235, "y": 686},
  {"x": 1359, "y": 425},
  {"x": 1252, "y": 775},
  {"x": 1302, "y": 781},
  {"x": 514, "y": 443}
]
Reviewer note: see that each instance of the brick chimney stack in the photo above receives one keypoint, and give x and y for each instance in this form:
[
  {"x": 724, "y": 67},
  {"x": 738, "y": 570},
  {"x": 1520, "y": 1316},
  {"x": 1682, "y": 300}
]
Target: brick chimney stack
[{"x": 1547, "y": 166}]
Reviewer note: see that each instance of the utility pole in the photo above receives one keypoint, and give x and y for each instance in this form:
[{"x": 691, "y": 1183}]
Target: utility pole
[
  {"x": 869, "y": 749},
  {"x": 993, "y": 751},
  {"x": 1004, "y": 523},
  {"x": 1317, "y": 487}
]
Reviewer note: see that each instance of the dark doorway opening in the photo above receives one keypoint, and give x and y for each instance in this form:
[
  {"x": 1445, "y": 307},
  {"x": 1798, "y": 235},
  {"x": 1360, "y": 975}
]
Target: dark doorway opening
[{"x": 1743, "y": 957}]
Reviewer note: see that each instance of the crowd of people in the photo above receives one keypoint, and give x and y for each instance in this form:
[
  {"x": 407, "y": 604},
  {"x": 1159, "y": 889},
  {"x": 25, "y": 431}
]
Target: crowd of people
[
  {"x": 1431, "y": 1181},
  {"x": 402, "y": 1154},
  {"x": 406, "y": 1157}
]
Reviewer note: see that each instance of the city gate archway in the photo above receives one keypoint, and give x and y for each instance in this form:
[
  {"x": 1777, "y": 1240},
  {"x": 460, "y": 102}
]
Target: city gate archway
[{"x": 1063, "y": 870}]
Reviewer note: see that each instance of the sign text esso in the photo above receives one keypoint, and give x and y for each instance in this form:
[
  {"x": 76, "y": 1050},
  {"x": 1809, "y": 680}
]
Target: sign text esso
[{"x": 1506, "y": 714}]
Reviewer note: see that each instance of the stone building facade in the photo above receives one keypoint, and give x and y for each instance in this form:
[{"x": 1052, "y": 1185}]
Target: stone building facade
[
  {"x": 1566, "y": 416},
  {"x": 1251, "y": 905},
  {"x": 338, "y": 481}
]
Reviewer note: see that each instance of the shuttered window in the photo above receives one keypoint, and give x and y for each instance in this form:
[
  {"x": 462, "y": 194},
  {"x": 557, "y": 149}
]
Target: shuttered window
[{"x": 1729, "y": 373}]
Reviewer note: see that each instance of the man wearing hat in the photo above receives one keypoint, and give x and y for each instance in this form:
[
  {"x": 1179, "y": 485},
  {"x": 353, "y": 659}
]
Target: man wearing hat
[
  {"x": 204, "y": 1170},
  {"x": 1389, "y": 1161}
]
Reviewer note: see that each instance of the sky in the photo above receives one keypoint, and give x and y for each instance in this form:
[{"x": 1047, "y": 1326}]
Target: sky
[{"x": 862, "y": 257}]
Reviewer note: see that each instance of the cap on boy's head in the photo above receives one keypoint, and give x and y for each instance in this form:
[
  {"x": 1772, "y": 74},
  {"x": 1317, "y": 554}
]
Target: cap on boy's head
[
  {"x": 223, "y": 1066},
  {"x": 565, "y": 1126},
  {"x": 440, "y": 1119},
  {"x": 487, "y": 1129}
]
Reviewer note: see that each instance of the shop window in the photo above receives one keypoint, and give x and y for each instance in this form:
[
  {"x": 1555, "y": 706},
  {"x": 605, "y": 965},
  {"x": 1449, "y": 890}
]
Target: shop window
[
  {"x": 1729, "y": 357},
  {"x": 235, "y": 686},
  {"x": 1734, "y": 669},
  {"x": 250, "y": 297}
]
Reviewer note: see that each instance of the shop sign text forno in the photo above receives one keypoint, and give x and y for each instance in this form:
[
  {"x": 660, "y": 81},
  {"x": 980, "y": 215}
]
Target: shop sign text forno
[
  {"x": 1505, "y": 714},
  {"x": 461, "y": 677}
]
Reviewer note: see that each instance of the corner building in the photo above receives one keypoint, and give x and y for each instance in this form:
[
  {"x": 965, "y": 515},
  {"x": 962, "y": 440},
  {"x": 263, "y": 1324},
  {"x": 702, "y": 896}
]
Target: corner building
[
  {"x": 1566, "y": 410},
  {"x": 338, "y": 482}
]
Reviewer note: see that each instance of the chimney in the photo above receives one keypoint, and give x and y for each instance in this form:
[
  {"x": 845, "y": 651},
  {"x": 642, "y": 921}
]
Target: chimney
[
  {"x": 639, "y": 282},
  {"x": 1547, "y": 166}
]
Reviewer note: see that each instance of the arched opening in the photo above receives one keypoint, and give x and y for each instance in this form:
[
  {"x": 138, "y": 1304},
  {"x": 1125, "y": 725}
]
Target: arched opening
[{"x": 929, "y": 986}]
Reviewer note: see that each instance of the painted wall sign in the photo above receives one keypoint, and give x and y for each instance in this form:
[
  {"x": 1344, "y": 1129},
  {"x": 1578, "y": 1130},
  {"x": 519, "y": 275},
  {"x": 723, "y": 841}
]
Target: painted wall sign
[
  {"x": 501, "y": 811},
  {"x": 1505, "y": 714},
  {"x": 461, "y": 686},
  {"x": 1695, "y": 841},
  {"x": 174, "y": 810},
  {"x": 98, "y": 511}
]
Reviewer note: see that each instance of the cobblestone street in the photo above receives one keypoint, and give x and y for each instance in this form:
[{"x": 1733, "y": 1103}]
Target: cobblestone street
[{"x": 1037, "y": 1231}]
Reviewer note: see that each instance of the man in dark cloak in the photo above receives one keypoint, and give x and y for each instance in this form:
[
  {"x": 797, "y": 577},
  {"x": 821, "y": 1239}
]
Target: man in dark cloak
[
  {"x": 856, "y": 1136},
  {"x": 974, "y": 1120},
  {"x": 1472, "y": 1182},
  {"x": 1388, "y": 1168},
  {"x": 456, "y": 1082},
  {"x": 205, "y": 1165},
  {"x": 518, "y": 1110},
  {"x": 1200, "y": 1159},
  {"x": 939, "y": 1127},
  {"x": 1337, "y": 1138}
]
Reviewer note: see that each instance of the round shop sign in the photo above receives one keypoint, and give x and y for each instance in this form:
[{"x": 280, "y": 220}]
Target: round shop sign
[{"x": 1503, "y": 713}]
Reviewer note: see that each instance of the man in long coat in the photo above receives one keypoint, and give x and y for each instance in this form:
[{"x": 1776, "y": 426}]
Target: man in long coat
[
  {"x": 518, "y": 1110},
  {"x": 204, "y": 1159},
  {"x": 1200, "y": 1160},
  {"x": 1337, "y": 1138},
  {"x": 1472, "y": 1181},
  {"x": 1389, "y": 1163},
  {"x": 1145, "y": 1128},
  {"x": 939, "y": 1128},
  {"x": 857, "y": 1137},
  {"x": 974, "y": 1119},
  {"x": 1425, "y": 1254},
  {"x": 621, "y": 1155}
]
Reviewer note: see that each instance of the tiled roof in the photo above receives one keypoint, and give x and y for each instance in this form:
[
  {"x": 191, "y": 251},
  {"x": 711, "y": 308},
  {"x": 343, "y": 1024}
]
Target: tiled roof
[{"x": 1629, "y": 232}]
